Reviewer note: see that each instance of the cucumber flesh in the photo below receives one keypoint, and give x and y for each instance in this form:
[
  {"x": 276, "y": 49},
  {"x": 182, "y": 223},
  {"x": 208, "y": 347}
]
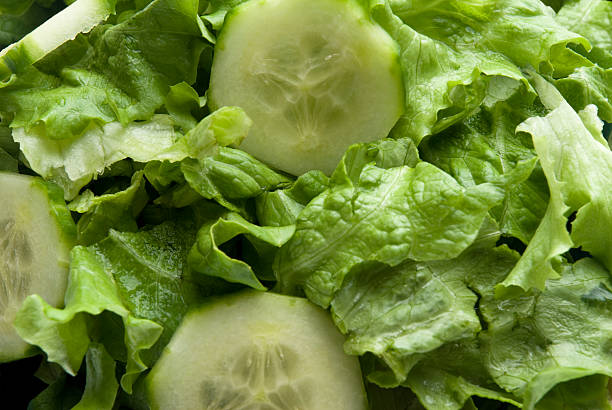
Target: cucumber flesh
[
  {"x": 80, "y": 17},
  {"x": 315, "y": 76},
  {"x": 36, "y": 235},
  {"x": 257, "y": 350}
]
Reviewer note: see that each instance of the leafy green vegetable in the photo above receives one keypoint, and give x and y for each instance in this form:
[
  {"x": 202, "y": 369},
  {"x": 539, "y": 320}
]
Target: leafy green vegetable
[
  {"x": 282, "y": 207},
  {"x": 62, "y": 333},
  {"x": 465, "y": 257},
  {"x": 75, "y": 162},
  {"x": 230, "y": 178},
  {"x": 387, "y": 215},
  {"x": 109, "y": 211},
  {"x": 101, "y": 385},
  {"x": 207, "y": 258},
  {"x": 401, "y": 313},
  {"x": 563, "y": 329},
  {"x": 484, "y": 148},
  {"x": 577, "y": 180}
]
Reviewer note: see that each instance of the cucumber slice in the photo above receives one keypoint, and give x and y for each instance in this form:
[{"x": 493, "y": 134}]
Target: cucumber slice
[
  {"x": 256, "y": 350},
  {"x": 315, "y": 76},
  {"x": 36, "y": 235},
  {"x": 80, "y": 17}
]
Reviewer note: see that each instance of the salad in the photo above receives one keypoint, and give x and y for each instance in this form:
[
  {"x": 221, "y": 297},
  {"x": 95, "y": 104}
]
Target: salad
[{"x": 306, "y": 204}]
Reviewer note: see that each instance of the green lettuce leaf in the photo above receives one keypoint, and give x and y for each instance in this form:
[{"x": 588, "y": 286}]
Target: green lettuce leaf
[
  {"x": 440, "y": 389},
  {"x": 484, "y": 148},
  {"x": 116, "y": 210},
  {"x": 588, "y": 85},
  {"x": 120, "y": 72},
  {"x": 591, "y": 19},
  {"x": 451, "y": 50},
  {"x": 101, "y": 387},
  {"x": 206, "y": 257},
  {"x": 127, "y": 292},
  {"x": 184, "y": 105},
  {"x": 63, "y": 333},
  {"x": 72, "y": 163},
  {"x": 387, "y": 215},
  {"x": 577, "y": 179},
  {"x": 564, "y": 330},
  {"x": 282, "y": 206},
  {"x": 494, "y": 26},
  {"x": 216, "y": 11},
  {"x": 150, "y": 271},
  {"x": 231, "y": 177},
  {"x": 401, "y": 313}
]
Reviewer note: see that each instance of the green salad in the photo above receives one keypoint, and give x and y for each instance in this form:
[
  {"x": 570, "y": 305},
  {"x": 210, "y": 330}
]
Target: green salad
[{"x": 306, "y": 204}]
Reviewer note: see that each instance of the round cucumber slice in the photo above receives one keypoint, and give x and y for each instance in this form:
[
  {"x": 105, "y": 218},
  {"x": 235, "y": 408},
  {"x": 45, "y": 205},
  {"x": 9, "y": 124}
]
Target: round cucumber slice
[
  {"x": 256, "y": 350},
  {"x": 36, "y": 235},
  {"x": 315, "y": 76}
]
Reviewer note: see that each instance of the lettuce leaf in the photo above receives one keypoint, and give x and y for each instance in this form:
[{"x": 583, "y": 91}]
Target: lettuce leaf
[
  {"x": 577, "y": 179},
  {"x": 116, "y": 210},
  {"x": 451, "y": 50},
  {"x": 63, "y": 333},
  {"x": 384, "y": 215},
  {"x": 126, "y": 292},
  {"x": 401, "y": 313},
  {"x": 484, "y": 148},
  {"x": 206, "y": 257},
  {"x": 118, "y": 72},
  {"x": 563, "y": 329},
  {"x": 73, "y": 163}
]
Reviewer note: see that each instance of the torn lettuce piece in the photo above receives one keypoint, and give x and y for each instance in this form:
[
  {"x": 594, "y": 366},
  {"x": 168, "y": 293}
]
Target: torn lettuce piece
[
  {"x": 388, "y": 216},
  {"x": 492, "y": 27},
  {"x": 231, "y": 177},
  {"x": 101, "y": 386},
  {"x": 216, "y": 11},
  {"x": 444, "y": 85},
  {"x": 127, "y": 292},
  {"x": 116, "y": 210},
  {"x": 588, "y": 85},
  {"x": 149, "y": 268},
  {"x": 223, "y": 127},
  {"x": 403, "y": 313},
  {"x": 206, "y": 258},
  {"x": 386, "y": 153},
  {"x": 77, "y": 85},
  {"x": 591, "y": 19},
  {"x": 452, "y": 389},
  {"x": 564, "y": 330},
  {"x": 282, "y": 206},
  {"x": 484, "y": 148},
  {"x": 72, "y": 163},
  {"x": 450, "y": 52},
  {"x": 184, "y": 105},
  {"x": 578, "y": 179},
  {"x": 400, "y": 313},
  {"x": 63, "y": 333}
]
